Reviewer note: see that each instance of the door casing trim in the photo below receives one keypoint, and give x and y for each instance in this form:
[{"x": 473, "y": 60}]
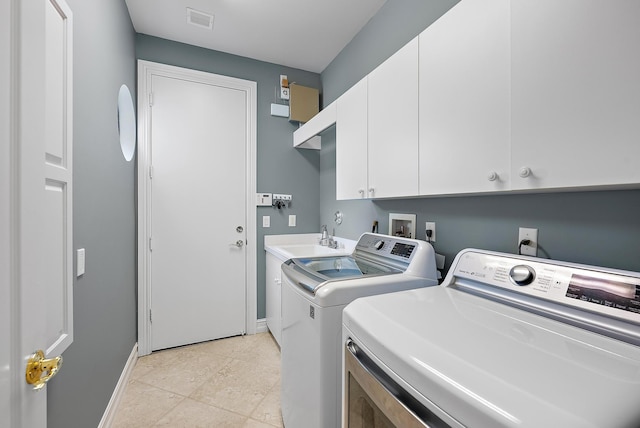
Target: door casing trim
[{"x": 145, "y": 70}]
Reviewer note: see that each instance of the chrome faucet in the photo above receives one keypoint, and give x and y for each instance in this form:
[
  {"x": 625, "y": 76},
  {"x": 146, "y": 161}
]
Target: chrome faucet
[{"x": 326, "y": 240}]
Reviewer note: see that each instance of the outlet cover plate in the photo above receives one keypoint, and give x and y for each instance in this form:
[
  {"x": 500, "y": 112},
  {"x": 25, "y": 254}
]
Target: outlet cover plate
[
  {"x": 532, "y": 235},
  {"x": 430, "y": 225},
  {"x": 80, "y": 261}
]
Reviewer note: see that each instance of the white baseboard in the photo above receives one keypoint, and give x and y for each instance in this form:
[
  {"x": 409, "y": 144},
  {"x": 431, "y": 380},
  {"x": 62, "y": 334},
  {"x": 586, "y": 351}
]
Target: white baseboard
[
  {"x": 261, "y": 325},
  {"x": 118, "y": 392}
]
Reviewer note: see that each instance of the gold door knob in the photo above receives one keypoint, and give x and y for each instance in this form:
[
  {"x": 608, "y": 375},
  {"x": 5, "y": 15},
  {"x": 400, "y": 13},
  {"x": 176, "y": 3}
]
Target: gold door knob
[{"x": 37, "y": 365}]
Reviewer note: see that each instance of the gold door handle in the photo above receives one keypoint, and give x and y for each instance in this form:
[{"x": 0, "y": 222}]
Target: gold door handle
[{"x": 37, "y": 365}]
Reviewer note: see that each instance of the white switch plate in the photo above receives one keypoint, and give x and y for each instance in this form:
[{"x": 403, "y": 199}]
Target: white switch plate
[
  {"x": 292, "y": 220},
  {"x": 532, "y": 235},
  {"x": 266, "y": 221},
  {"x": 80, "y": 261},
  {"x": 430, "y": 225}
]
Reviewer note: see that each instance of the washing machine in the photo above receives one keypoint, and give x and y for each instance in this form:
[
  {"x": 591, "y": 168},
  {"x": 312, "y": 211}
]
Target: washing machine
[
  {"x": 504, "y": 341},
  {"x": 314, "y": 293}
]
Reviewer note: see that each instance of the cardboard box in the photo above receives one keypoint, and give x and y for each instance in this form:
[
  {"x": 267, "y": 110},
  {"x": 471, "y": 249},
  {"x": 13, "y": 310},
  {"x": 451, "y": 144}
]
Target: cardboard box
[{"x": 304, "y": 103}]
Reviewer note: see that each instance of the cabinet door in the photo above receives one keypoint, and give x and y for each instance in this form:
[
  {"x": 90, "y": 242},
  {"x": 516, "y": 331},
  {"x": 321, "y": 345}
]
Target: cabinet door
[
  {"x": 393, "y": 125},
  {"x": 464, "y": 100},
  {"x": 575, "y": 93},
  {"x": 273, "y": 295},
  {"x": 351, "y": 143}
]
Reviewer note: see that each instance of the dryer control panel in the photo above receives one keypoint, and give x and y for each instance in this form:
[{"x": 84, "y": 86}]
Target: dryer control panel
[{"x": 605, "y": 291}]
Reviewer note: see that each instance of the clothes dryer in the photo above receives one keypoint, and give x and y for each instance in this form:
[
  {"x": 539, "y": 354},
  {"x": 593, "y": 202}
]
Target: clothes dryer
[{"x": 504, "y": 341}]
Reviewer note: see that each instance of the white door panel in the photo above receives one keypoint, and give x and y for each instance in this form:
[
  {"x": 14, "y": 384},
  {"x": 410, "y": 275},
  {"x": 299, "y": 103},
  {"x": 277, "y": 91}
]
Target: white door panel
[
  {"x": 392, "y": 102},
  {"x": 575, "y": 93},
  {"x": 37, "y": 189},
  {"x": 351, "y": 143},
  {"x": 198, "y": 152},
  {"x": 465, "y": 100},
  {"x": 59, "y": 175}
]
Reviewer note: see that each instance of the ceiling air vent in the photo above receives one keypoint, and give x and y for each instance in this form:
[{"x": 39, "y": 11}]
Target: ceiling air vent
[{"x": 199, "y": 19}]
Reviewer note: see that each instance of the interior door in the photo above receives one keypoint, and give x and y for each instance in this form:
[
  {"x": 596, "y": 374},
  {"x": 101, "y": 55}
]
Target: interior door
[
  {"x": 198, "y": 209},
  {"x": 37, "y": 199}
]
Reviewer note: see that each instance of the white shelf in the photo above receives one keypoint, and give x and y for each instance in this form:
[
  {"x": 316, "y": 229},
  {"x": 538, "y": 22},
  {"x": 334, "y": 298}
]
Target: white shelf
[{"x": 306, "y": 137}]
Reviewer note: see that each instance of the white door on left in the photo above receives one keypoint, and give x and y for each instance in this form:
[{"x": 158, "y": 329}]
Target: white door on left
[{"x": 36, "y": 194}]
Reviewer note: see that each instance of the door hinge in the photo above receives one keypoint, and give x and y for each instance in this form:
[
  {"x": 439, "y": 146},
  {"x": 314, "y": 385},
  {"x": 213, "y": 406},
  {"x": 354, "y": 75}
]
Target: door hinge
[
  {"x": 150, "y": 171},
  {"x": 150, "y": 244},
  {"x": 150, "y": 99},
  {"x": 150, "y": 316}
]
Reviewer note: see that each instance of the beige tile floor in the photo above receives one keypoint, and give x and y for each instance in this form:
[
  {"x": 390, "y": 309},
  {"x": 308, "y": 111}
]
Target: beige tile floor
[{"x": 231, "y": 382}]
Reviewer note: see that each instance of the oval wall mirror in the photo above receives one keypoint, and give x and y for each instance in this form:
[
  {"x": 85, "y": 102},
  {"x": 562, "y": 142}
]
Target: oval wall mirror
[{"x": 126, "y": 123}]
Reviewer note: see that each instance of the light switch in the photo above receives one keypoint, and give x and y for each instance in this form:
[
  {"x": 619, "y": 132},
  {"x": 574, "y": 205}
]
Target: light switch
[
  {"x": 80, "y": 262},
  {"x": 266, "y": 221},
  {"x": 292, "y": 221}
]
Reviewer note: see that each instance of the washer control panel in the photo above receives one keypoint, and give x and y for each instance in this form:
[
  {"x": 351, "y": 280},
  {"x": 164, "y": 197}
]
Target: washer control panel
[
  {"x": 606, "y": 291},
  {"x": 400, "y": 249}
]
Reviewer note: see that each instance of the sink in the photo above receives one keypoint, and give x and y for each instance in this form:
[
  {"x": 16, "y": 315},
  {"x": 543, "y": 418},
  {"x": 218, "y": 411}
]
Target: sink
[
  {"x": 304, "y": 245},
  {"x": 310, "y": 250}
]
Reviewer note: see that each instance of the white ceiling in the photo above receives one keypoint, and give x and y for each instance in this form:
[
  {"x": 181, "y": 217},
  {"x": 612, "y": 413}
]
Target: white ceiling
[{"x": 304, "y": 34}]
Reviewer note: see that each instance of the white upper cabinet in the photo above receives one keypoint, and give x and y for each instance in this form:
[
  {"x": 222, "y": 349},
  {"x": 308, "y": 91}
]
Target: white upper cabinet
[
  {"x": 575, "y": 93},
  {"x": 499, "y": 95},
  {"x": 393, "y": 125},
  {"x": 464, "y": 100},
  {"x": 351, "y": 143}
]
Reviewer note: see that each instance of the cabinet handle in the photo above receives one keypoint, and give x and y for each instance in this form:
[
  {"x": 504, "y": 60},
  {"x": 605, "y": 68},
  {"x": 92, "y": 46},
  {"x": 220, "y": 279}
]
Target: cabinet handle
[
  {"x": 493, "y": 176},
  {"x": 361, "y": 191},
  {"x": 371, "y": 190},
  {"x": 525, "y": 171}
]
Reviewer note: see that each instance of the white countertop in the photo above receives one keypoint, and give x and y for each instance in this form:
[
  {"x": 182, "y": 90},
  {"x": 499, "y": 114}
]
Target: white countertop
[{"x": 285, "y": 247}]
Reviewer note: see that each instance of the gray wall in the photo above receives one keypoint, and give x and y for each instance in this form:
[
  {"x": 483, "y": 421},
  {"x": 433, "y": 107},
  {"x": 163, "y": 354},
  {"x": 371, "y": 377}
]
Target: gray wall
[
  {"x": 599, "y": 228},
  {"x": 281, "y": 168},
  {"x": 104, "y": 218}
]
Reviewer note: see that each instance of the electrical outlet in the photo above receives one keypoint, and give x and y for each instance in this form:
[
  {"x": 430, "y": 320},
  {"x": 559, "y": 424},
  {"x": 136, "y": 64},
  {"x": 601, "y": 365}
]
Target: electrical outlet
[
  {"x": 430, "y": 225},
  {"x": 532, "y": 236},
  {"x": 266, "y": 221},
  {"x": 292, "y": 220},
  {"x": 284, "y": 93}
]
